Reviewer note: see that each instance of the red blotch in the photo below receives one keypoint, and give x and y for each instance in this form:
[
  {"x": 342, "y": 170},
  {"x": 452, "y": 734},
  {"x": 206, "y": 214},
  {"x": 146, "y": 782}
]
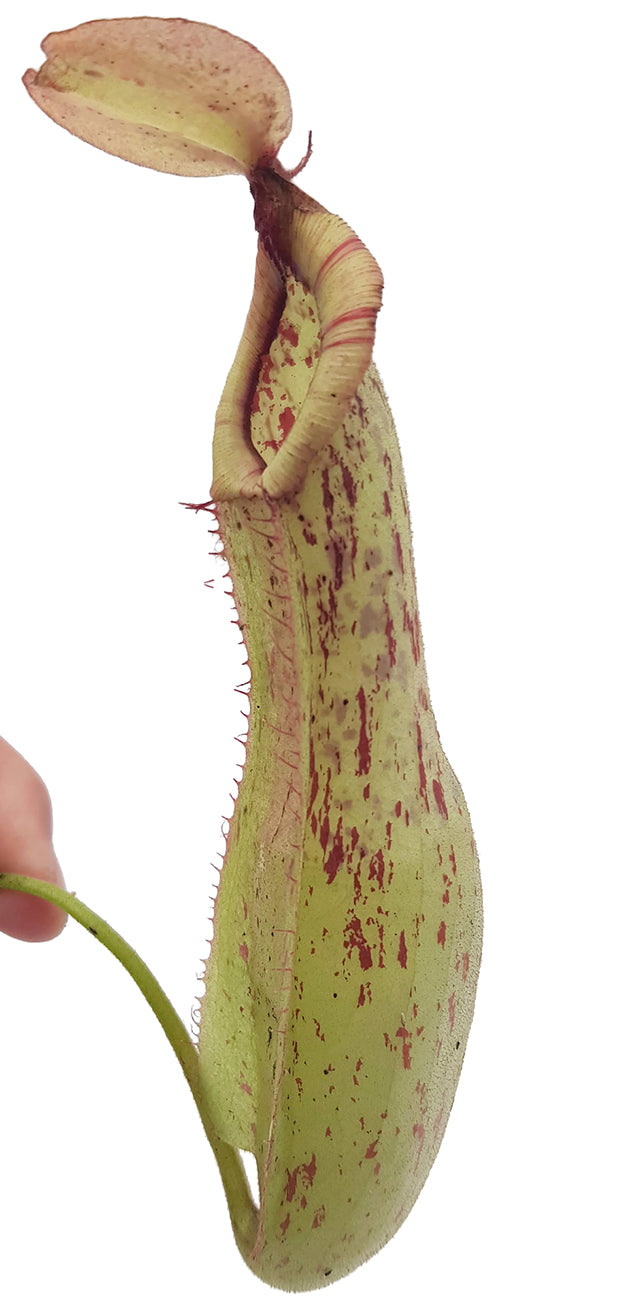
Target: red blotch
[
  {"x": 441, "y": 935},
  {"x": 465, "y": 965},
  {"x": 438, "y": 794},
  {"x": 403, "y": 1033},
  {"x": 284, "y": 1225},
  {"x": 402, "y": 950},
  {"x": 319, "y": 1217},
  {"x": 286, "y": 331},
  {"x": 363, "y": 749},
  {"x": 286, "y": 421},
  {"x": 309, "y": 1170},
  {"x": 244, "y": 952},
  {"x": 245, "y": 1087},
  {"x": 354, "y": 938},
  {"x": 371, "y": 1151},
  {"x": 387, "y": 508}
]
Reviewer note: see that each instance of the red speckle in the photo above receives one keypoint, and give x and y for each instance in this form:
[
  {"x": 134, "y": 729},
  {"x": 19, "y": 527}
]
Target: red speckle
[
  {"x": 399, "y": 553},
  {"x": 398, "y": 808},
  {"x": 377, "y": 868},
  {"x": 391, "y": 641},
  {"x": 284, "y": 1225},
  {"x": 387, "y": 508},
  {"x": 245, "y": 1087},
  {"x": 354, "y": 938},
  {"x": 307, "y": 1172},
  {"x": 371, "y": 1150},
  {"x": 327, "y": 497},
  {"x": 319, "y": 1217},
  {"x": 421, "y": 767},
  {"x": 418, "y": 1131},
  {"x": 451, "y": 1011},
  {"x": 402, "y": 950},
  {"x": 328, "y": 1132},
  {"x": 314, "y": 778},
  {"x": 438, "y": 793},
  {"x": 335, "y": 857},
  {"x": 244, "y": 952},
  {"x": 403, "y": 1033},
  {"x": 465, "y": 965},
  {"x": 412, "y": 626},
  {"x": 363, "y": 749},
  {"x": 349, "y": 485},
  {"x": 441, "y": 935}
]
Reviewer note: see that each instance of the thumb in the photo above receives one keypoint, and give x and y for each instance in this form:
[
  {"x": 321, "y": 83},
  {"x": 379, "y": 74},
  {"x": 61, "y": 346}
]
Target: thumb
[{"x": 26, "y": 847}]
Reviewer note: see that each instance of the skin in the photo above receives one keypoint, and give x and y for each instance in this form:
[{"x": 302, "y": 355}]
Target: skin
[{"x": 26, "y": 847}]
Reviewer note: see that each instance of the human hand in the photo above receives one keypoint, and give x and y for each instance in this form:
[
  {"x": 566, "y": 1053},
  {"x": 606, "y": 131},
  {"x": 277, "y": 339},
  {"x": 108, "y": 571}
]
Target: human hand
[{"x": 26, "y": 847}]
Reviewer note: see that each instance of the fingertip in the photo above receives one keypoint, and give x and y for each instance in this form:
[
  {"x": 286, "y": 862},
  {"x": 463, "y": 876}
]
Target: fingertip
[
  {"x": 22, "y": 916},
  {"x": 26, "y": 848}
]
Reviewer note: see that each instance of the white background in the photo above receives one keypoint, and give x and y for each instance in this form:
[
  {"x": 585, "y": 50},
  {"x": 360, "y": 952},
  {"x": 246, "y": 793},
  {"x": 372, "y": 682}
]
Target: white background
[{"x": 481, "y": 151}]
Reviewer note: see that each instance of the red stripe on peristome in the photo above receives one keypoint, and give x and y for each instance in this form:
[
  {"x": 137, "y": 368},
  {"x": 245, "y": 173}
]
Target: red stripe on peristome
[
  {"x": 352, "y": 316},
  {"x": 351, "y": 244},
  {"x": 348, "y": 340}
]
